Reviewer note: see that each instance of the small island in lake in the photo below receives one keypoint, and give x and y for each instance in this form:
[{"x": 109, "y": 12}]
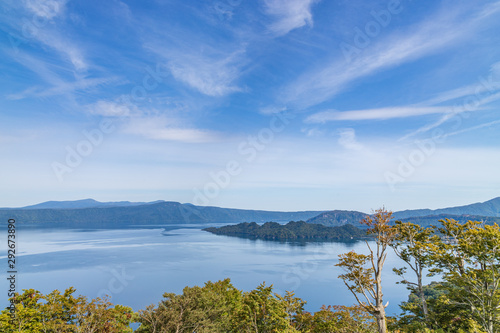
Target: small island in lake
[{"x": 291, "y": 231}]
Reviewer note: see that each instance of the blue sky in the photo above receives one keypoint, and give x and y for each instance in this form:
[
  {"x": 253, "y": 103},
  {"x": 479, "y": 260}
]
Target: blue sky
[{"x": 268, "y": 104}]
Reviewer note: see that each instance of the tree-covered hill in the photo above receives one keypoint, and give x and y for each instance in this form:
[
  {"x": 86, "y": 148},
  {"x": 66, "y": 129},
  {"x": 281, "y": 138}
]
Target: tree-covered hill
[
  {"x": 291, "y": 231},
  {"x": 337, "y": 218}
]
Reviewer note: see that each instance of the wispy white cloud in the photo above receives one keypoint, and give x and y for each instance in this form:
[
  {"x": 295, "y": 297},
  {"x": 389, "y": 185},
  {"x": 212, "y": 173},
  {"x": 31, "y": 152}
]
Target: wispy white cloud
[
  {"x": 347, "y": 139},
  {"x": 37, "y": 66},
  {"x": 111, "y": 109},
  {"x": 488, "y": 10},
  {"x": 212, "y": 73},
  {"x": 312, "y": 132},
  {"x": 150, "y": 123},
  {"x": 209, "y": 76},
  {"x": 375, "y": 114},
  {"x": 289, "y": 14},
  {"x": 430, "y": 126},
  {"x": 48, "y": 33},
  {"x": 473, "y": 98},
  {"x": 163, "y": 128},
  {"x": 434, "y": 34},
  {"x": 21, "y": 136},
  {"x": 55, "y": 83},
  {"x": 65, "y": 88},
  {"x": 454, "y": 94},
  {"x": 66, "y": 48},
  {"x": 473, "y": 128},
  {"x": 270, "y": 110},
  {"x": 47, "y": 9},
  {"x": 495, "y": 68},
  {"x": 210, "y": 58},
  {"x": 484, "y": 86}
]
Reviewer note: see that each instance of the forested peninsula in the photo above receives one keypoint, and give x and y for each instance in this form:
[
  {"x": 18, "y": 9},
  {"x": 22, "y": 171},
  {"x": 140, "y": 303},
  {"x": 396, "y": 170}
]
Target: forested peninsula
[{"x": 291, "y": 231}]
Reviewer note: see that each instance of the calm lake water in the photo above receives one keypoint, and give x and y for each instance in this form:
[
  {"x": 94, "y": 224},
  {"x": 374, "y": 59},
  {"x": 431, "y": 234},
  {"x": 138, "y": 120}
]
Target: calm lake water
[{"x": 137, "y": 265}]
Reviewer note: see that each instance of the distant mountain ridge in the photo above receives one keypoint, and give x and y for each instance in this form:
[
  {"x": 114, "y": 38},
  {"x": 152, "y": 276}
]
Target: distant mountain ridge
[
  {"x": 85, "y": 203},
  {"x": 92, "y": 213},
  {"x": 488, "y": 211},
  {"x": 487, "y": 208},
  {"x": 159, "y": 213}
]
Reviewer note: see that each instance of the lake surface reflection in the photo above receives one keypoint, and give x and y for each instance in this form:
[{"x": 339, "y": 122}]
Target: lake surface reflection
[{"x": 137, "y": 265}]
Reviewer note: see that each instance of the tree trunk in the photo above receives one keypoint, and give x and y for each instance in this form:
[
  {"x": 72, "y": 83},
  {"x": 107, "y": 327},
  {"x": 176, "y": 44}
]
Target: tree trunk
[
  {"x": 424, "y": 305},
  {"x": 381, "y": 322},
  {"x": 491, "y": 325},
  {"x": 422, "y": 296},
  {"x": 380, "y": 308}
]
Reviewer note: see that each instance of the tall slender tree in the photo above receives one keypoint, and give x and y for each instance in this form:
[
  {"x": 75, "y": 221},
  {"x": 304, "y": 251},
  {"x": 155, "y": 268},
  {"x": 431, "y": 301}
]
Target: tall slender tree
[
  {"x": 363, "y": 275},
  {"x": 412, "y": 244}
]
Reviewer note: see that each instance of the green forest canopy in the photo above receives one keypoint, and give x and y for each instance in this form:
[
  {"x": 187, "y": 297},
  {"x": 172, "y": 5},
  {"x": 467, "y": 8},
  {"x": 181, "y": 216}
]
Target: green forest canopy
[{"x": 291, "y": 231}]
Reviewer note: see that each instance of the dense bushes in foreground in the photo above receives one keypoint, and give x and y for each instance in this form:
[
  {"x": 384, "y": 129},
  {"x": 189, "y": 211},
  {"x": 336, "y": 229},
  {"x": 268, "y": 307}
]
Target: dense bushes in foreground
[
  {"x": 56, "y": 312},
  {"x": 215, "y": 307},
  {"x": 220, "y": 307}
]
